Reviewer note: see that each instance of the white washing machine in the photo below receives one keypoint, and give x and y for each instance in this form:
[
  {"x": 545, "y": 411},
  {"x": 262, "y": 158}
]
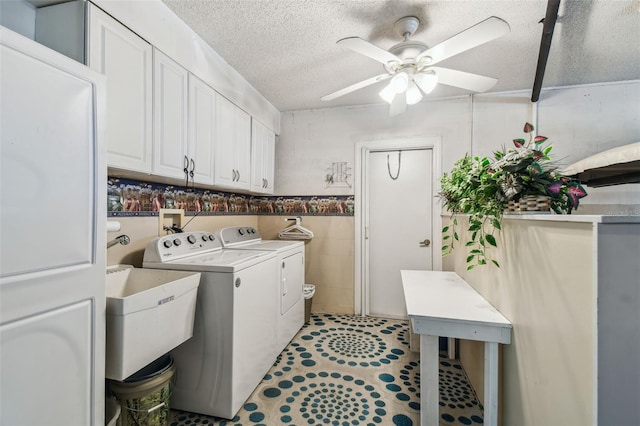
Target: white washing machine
[
  {"x": 290, "y": 274},
  {"x": 233, "y": 343}
]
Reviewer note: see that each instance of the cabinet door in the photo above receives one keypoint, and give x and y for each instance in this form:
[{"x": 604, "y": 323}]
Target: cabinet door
[
  {"x": 232, "y": 146},
  {"x": 262, "y": 157},
  {"x": 202, "y": 108},
  {"x": 243, "y": 149},
  {"x": 170, "y": 86},
  {"x": 268, "y": 159},
  {"x": 126, "y": 60},
  {"x": 225, "y": 131}
]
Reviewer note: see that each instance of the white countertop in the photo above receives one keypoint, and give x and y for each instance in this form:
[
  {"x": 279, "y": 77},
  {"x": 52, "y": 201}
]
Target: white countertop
[
  {"x": 440, "y": 301},
  {"x": 583, "y": 218}
]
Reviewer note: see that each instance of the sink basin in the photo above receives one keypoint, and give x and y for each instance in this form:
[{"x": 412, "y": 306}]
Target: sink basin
[{"x": 149, "y": 312}]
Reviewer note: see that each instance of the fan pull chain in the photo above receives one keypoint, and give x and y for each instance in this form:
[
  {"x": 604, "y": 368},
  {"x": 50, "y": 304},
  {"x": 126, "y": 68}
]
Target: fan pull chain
[{"x": 399, "y": 164}]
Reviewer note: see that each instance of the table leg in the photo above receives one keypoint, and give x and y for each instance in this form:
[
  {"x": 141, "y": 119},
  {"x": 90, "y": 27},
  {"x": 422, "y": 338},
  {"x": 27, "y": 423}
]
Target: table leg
[
  {"x": 429, "y": 380},
  {"x": 490, "y": 383}
]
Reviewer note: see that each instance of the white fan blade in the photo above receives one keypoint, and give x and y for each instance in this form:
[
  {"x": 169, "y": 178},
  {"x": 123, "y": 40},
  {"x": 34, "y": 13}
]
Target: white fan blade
[
  {"x": 398, "y": 105},
  {"x": 354, "y": 87},
  {"x": 483, "y": 32},
  {"x": 365, "y": 48},
  {"x": 464, "y": 80}
]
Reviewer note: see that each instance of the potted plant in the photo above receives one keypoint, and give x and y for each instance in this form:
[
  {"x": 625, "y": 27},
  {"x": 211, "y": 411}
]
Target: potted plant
[{"x": 483, "y": 188}]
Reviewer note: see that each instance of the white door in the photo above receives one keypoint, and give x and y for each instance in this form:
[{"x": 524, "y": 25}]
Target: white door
[
  {"x": 52, "y": 217},
  {"x": 399, "y": 221}
]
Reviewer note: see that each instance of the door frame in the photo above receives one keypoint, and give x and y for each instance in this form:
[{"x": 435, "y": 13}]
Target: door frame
[{"x": 361, "y": 215}]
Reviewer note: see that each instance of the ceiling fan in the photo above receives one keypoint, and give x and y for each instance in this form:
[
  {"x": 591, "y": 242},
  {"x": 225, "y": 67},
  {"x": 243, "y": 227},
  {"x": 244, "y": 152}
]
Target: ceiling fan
[{"x": 409, "y": 64}]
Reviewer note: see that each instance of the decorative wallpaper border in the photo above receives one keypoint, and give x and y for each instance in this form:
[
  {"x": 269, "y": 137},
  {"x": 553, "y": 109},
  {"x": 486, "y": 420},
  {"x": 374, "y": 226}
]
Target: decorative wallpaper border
[{"x": 126, "y": 197}]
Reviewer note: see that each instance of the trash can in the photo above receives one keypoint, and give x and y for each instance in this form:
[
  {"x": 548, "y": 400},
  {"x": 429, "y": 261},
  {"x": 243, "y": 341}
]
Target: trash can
[
  {"x": 144, "y": 396},
  {"x": 308, "y": 291}
]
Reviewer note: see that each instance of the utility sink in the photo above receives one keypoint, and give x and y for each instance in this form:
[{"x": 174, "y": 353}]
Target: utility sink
[{"x": 149, "y": 312}]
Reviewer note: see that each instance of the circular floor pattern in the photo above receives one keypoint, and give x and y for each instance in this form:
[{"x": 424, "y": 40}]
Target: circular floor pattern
[
  {"x": 355, "y": 320},
  {"x": 401, "y": 332},
  {"x": 352, "y": 346},
  {"x": 405, "y": 386},
  {"x": 329, "y": 398},
  {"x": 317, "y": 380}
]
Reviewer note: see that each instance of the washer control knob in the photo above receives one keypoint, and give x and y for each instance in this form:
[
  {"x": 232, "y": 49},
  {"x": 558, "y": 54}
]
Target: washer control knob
[
  {"x": 211, "y": 238},
  {"x": 240, "y": 231},
  {"x": 167, "y": 243},
  {"x": 238, "y": 282},
  {"x": 191, "y": 239},
  {"x": 204, "y": 238},
  {"x": 177, "y": 242}
]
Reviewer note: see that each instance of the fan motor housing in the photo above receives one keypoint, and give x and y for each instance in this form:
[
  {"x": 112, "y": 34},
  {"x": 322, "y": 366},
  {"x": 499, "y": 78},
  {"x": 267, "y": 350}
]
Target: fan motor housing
[{"x": 408, "y": 50}]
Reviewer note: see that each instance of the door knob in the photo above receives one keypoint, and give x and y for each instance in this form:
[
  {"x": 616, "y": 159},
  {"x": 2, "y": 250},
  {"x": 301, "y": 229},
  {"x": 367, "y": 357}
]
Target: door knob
[{"x": 425, "y": 243}]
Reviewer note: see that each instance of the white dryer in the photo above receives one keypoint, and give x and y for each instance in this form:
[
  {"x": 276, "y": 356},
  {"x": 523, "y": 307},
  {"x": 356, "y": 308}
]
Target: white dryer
[
  {"x": 233, "y": 343},
  {"x": 291, "y": 261}
]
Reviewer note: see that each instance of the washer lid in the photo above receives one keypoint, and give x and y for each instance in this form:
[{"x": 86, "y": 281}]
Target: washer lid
[
  {"x": 269, "y": 245},
  {"x": 217, "y": 261}
]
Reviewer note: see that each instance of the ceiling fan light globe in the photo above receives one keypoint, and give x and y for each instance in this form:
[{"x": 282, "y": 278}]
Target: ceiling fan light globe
[
  {"x": 426, "y": 81},
  {"x": 413, "y": 94},
  {"x": 400, "y": 82},
  {"x": 388, "y": 93}
]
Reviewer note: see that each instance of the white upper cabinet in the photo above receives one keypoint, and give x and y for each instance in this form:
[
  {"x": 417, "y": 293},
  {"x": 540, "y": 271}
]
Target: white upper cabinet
[
  {"x": 262, "y": 158},
  {"x": 126, "y": 60},
  {"x": 202, "y": 122},
  {"x": 232, "y": 146},
  {"x": 170, "y": 92}
]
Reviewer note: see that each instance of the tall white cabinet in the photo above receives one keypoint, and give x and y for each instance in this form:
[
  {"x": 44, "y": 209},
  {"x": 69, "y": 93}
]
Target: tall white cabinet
[
  {"x": 263, "y": 145},
  {"x": 52, "y": 216},
  {"x": 126, "y": 60},
  {"x": 232, "y": 146}
]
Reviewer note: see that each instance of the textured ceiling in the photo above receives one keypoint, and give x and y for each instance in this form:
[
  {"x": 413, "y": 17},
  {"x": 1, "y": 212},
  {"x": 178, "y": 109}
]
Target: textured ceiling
[{"x": 287, "y": 48}]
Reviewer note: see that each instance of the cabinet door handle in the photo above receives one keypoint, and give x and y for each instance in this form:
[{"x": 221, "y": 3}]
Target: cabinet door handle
[
  {"x": 186, "y": 169},
  {"x": 266, "y": 183},
  {"x": 238, "y": 180},
  {"x": 233, "y": 178},
  {"x": 192, "y": 173}
]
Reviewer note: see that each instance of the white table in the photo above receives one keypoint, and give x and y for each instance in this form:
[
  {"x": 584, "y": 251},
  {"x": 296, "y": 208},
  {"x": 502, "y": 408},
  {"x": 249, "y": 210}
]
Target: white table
[{"x": 443, "y": 304}]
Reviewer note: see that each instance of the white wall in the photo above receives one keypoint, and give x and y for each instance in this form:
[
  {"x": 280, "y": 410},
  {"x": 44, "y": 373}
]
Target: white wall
[
  {"x": 579, "y": 121},
  {"x": 311, "y": 140}
]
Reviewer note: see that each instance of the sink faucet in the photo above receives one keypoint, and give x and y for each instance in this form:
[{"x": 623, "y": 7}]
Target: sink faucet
[{"x": 120, "y": 239}]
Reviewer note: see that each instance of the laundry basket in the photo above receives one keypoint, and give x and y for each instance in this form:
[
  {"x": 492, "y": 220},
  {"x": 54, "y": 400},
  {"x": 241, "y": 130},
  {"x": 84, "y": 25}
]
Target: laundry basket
[
  {"x": 144, "y": 396},
  {"x": 308, "y": 291}
]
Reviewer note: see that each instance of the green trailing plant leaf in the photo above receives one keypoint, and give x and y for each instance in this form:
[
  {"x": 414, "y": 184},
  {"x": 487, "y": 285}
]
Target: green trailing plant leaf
[
  {"x": 496, "y": 223},
  {"x": 445, "y": 229},
  {"x": 470, "y": 258},
  {"x": 495, "y": 262},
  {"x": 491, "y": 240}
]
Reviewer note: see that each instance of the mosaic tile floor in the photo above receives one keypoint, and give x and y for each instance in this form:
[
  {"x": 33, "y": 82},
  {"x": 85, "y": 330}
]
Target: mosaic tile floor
[{"x": 343, "y": 370}]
